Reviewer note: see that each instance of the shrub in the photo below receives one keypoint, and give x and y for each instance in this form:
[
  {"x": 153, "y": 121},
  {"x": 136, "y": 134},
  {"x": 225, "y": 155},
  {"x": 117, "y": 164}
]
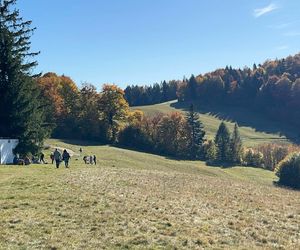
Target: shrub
[
  {"x": 134, "y": 137},
  {"x": 210, "y": 152},
  {"x": 252, "y": 158},
  {"x": 288, "y": 171},
  {"x": 273, "y": 154}
]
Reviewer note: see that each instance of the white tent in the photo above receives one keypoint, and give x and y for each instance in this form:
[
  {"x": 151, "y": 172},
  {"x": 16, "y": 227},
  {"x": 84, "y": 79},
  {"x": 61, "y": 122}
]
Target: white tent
[{"x": 6, "y": 150}]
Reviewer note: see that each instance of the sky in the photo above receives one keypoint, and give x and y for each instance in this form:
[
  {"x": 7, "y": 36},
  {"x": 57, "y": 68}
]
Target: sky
[{"x": 147, "y": 41}]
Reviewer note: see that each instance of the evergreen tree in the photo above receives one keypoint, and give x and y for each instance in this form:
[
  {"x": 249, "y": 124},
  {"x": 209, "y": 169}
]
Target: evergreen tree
[
  {"x": 21, "y": 113},
  {"x": 164, "y": 91},
  {"x": 192, "y": 88},
  {"x": 222, "y": 141},
  {"x": 196, "y": 132},
  {"x": 236, "y": 145}
]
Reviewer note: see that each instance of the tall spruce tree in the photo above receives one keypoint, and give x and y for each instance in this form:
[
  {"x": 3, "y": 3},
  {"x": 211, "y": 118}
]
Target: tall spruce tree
[
  {"x": 222, "y": 141},
  {"x": 236, "y": 145},
  {"x": 192, "y": 88},
  {"x": 196, "y": 134},
  {"x": 21, "y": 112}
]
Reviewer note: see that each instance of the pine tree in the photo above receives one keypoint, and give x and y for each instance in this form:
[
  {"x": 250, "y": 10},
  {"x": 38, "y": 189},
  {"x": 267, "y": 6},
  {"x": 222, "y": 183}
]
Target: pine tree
[
  {"x": 222, "y": 141},
  {"x": 236, "y": 146},
  {"x": 196, "y": 134},
  {"x": 164, "y": 91},
  {"x": 192, "y": 88},
  {"x": 21, "y": 112}
]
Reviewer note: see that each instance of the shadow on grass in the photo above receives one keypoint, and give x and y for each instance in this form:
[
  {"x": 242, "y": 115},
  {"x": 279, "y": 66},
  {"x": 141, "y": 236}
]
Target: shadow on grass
[
  {"x": 223, "y": 164},
  {"x": 245, "y": 117},
  {"x": 82, "y": 142},
  {"x": 152, "y": 152},
  {"x": 280, "y": 185}
]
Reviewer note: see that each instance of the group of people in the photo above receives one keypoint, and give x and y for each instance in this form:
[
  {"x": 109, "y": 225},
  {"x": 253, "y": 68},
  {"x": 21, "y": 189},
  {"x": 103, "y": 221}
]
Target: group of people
[
  {"x": 90, "y": 159},
  {"x": 28, "y": 160},
  {"x": 58, "y": 158}
]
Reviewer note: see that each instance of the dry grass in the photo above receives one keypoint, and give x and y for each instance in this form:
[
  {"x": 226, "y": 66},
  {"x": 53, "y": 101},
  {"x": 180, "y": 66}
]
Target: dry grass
[{"x": 140, "y": 201}]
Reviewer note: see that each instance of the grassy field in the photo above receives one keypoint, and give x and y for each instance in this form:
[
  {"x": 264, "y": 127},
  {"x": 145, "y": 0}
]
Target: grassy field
[
  {"x": 254, "y": 128},
  {"x": 133, "y": 200}
]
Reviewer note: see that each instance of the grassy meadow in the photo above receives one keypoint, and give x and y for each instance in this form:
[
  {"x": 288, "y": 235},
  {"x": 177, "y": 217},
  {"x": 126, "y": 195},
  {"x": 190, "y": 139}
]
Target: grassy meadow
[
  {"x": 254, "y": 128},
  {"x": 133, "y": 200}
]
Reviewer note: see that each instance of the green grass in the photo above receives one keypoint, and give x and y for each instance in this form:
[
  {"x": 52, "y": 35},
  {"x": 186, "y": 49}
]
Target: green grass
[
  {"x": 133, "y": 200},
  {"x": 254, "y": 128}
]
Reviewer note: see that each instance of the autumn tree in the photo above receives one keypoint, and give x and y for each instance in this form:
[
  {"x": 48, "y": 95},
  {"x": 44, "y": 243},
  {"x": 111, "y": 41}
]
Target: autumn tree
[
  {"x": 171, "y": 135},
  {"x": 114, "y": 109},
  {"x": 22, "y": 114},
  {"x": 62, "y": 96},
  {"x": 88, "y": 122}
]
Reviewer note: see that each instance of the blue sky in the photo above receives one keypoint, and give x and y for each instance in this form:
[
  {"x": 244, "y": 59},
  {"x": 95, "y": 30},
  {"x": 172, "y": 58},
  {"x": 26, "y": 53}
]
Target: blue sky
[{"x": 146, "y": 41}]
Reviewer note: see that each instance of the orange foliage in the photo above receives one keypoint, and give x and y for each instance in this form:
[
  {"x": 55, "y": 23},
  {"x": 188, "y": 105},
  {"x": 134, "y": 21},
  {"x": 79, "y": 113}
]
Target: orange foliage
[{"x": 58, "y": 90}]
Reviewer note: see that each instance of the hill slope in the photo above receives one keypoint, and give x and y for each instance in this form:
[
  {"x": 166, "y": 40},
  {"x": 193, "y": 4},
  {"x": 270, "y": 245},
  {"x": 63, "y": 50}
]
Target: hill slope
[
  {"x": 137, "y": 200},
  {"x": 254, "y": 128}
]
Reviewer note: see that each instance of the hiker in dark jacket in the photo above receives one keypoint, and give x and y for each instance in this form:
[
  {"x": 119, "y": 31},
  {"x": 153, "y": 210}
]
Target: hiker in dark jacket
[
  {"x": 42, "y": 158},
  {"x": 57, "y": 157},
  {"x": 66, "y": 157}
]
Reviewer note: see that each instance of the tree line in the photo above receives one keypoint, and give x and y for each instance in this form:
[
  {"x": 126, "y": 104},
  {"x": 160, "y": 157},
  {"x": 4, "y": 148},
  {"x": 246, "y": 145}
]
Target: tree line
[
  {"x": 151, "y": 94},
  {"x": 271, "y": 88}
]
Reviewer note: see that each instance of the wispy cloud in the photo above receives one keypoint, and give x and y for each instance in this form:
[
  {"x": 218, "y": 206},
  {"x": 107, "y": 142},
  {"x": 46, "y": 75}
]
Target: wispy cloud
[
  {"x": 284, "y": 25},
  {"x": 267, "y": 9},
  {"x": 280, "y": 26},
  {"x": 282, "y": 47},
  {"x": 292, "y": 33}
]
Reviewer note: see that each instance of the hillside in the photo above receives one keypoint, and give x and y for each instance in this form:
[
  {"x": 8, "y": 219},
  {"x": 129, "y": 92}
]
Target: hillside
[
  {"x": 254, "y": 128},
  {"x": 137, "y": 200},
  {"x": 271, "y": 88}
]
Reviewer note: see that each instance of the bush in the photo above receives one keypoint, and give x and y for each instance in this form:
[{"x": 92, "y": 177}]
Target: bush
[
  {"x": 134, "y": 137},
  {"x": 273, "y": 154},
  {"x": 252, "y": 158},
  {"x": 288, "y": 171},
  {"x": 210, "y": 152}
]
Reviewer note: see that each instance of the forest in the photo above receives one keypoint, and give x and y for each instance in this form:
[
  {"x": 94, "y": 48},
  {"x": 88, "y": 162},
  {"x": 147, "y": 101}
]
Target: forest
[{"x": 271, "y": 88}]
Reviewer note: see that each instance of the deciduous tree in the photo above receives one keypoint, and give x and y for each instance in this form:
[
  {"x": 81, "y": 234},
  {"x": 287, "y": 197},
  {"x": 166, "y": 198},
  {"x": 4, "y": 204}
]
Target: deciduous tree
[{"x": 114, "y": 108}]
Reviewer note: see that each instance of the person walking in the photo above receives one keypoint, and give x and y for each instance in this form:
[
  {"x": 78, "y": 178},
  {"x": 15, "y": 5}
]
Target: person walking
[
  {"x": 66, "y": 157},
  {"x": 95, "y": 159},
  {"x": 52, "y": 157},
  {"x": 42, "y": 158},
  {"x": 57, "y": 157}
]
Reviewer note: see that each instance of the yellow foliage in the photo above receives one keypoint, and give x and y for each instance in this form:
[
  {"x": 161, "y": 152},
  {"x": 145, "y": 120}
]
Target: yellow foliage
[
  {"x": 59, "y": 90},
  {"x": 135, "y": 117}
]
